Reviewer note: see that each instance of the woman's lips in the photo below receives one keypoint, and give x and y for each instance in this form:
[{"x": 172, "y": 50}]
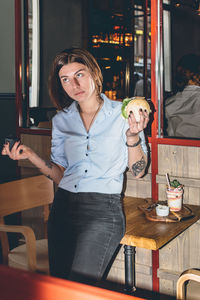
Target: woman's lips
[{"x": 79, "y": 93}]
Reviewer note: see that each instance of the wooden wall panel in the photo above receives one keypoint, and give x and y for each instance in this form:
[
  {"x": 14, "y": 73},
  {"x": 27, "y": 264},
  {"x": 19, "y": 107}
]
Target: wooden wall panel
[
  {"x": 138, "y": 187},
  {"x": 183, "y": 164},
  {"x": 181, "y": 253},
  {"x": 177, "y": 256},
  {"x": 179, "y": 161},
  {"x": 40, "y": 144}
]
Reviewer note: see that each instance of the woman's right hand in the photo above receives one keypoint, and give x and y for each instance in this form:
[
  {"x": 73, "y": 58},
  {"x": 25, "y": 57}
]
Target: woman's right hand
[{"x": 18, "y": 151}]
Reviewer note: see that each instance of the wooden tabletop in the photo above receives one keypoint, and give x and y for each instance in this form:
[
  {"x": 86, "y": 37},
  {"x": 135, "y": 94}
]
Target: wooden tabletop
[{"x": 143, "y": 233}]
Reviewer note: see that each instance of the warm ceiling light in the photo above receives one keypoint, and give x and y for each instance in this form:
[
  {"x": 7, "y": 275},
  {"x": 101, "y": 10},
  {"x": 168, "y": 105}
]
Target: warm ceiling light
[
  {"x": 118, "y": 58},
  {"x": 139, "y": 31}
]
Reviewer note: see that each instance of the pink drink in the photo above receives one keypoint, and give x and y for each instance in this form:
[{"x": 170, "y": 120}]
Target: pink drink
[{"x": 175, "y": 198}]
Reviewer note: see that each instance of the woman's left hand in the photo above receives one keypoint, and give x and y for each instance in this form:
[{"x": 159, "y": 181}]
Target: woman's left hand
[{"x": 136, "y": 127}]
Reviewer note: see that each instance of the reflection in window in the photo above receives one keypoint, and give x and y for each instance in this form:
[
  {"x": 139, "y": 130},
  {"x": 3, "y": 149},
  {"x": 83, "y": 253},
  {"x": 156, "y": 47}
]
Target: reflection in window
[
  {"x": 182, "y": 110},
  {"x": 181, "y": 69},
  {"x": 120, "y": 39}
]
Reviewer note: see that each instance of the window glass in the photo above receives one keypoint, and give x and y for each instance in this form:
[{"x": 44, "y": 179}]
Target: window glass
[
  {"x": 120, "y": 39},
  {"x": 181, "y": 23}
]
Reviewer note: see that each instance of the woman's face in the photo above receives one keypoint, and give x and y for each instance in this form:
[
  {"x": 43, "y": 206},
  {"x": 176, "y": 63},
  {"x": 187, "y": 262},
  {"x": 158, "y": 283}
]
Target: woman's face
[{"x": 77, "y": 81}]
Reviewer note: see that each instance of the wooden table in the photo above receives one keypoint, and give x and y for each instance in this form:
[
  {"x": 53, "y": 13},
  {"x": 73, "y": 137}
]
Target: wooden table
[{"x": 142, "y": 233}]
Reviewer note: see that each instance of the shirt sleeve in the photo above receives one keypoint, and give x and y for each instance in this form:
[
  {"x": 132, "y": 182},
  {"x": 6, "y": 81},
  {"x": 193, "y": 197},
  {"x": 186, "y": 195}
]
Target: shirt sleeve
[{"x": 58, "y": 145}]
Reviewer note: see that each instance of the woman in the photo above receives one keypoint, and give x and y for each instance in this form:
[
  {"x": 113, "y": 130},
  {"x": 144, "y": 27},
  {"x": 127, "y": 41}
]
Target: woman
[
  {"x": 91, "y": 147},
  {"x": 182, "y": 110}
]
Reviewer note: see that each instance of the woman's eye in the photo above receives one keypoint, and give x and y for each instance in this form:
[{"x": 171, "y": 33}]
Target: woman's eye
[
  {"x": 79, "y": 75},
  {"x": 65, "y": 80}
]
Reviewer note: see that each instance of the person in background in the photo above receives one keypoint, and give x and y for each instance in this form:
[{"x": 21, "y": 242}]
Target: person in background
[
  {"x": 139, "y": 88},
  {"x": 92, "y": 145},
  {"x": 182, "y": 110}
]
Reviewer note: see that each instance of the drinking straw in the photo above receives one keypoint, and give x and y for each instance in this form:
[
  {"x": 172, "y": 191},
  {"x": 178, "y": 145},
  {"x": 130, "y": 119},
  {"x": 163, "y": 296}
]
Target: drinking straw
[{"x": 168, "y": 182}]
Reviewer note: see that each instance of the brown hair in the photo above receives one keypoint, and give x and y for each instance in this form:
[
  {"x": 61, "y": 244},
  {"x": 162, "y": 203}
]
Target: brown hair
[
  {"x": 188, "y": 68},
  {"x": 57, "y": 94}
]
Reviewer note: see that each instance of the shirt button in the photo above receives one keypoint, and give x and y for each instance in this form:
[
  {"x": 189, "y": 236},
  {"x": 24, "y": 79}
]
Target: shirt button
[
  {"x": 87, "y": 137},
  {"x": 85, "y": 171},
  {"x": 75, "y": 186},
  {"x": 86, "y": 154}
]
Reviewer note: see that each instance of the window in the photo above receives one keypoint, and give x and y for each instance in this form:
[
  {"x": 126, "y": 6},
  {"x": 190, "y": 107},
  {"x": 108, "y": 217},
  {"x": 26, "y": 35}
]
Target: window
[{"x": 181, "y": 91}]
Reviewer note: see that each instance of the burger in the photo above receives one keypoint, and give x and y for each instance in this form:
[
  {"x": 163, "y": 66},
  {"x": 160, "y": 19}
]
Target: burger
[{"x": 134, "y": 104}]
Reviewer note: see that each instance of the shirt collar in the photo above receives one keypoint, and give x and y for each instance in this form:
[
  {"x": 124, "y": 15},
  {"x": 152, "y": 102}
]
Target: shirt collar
[
  {"x": 73, "y": 108},
  {"x": 107, "y": 107}
]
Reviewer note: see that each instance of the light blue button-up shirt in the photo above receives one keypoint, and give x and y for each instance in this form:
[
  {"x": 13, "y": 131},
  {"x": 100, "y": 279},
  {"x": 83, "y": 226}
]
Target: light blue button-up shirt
[{"x": 94, "y": 161}]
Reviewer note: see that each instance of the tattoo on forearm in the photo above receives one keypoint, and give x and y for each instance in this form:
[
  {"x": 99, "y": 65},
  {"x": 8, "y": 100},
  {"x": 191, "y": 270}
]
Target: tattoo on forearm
[
  {"x": 49, "y": 164},
  {"x": 139, "y": 166}
]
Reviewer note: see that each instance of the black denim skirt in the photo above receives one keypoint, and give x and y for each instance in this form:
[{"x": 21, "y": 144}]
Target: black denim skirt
[{"x": 84, "y": 231}]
